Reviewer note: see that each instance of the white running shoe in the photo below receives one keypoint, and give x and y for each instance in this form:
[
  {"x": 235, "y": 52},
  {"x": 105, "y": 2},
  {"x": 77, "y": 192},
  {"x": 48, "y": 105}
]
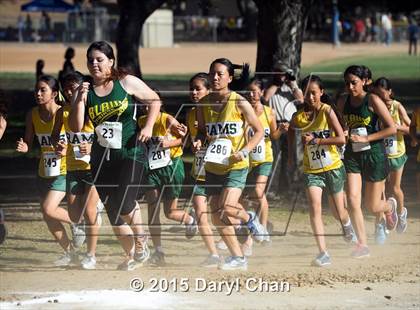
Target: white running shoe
[
  {"x": 234, "y": 263},
  {"x": 257, "y": 230},
  {"x": 211, "y": 261},
  {"x": 221, "y": 245},
  {"x": 128, "y": 264},
  {"x": 88, "y": 262},
  {"x": 68, "y": 258},
  {"x": 141, "y": 250}
]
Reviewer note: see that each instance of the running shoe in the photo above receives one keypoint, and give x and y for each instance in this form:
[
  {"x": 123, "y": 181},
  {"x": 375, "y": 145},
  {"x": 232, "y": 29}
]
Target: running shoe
[
  {"x": 392, "y": 216},
  {"x": 88, "y": 262},
  {"x": 323, "y": 259},
  {"x": 191, "y": 229},
  {"x": 257, "y": 230},
  {"x": 78, "y": 232},
  {"x": 221, "y": 245},
  {"x": 211, "y": 261},
  {"x": 380, "y": 233},
  {"x": 234, "y": 263},
  {"x": 361, "y": 251},
  {"x": 157, "y": 259},
  {"x": 128, "y": 264},
  {"x": 141, "y": 250},
  {"x": 402, "y": 221},
  {"x": 68, "y": 258},
  {"x": 349, "y": 234}
]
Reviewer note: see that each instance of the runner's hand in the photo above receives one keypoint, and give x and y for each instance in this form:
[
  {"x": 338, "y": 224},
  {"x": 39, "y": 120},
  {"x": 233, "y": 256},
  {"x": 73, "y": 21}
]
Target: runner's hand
[
  {"x": 61, "y": 148},
  {"x": 357, "y": 138},
  {"x": 21, "y": 146},
  {"x": 85, "y": 148},
  {"x": 83, "y": 90},
  {"x": 196, "y": 146},
  {"x": 145, "y": 134}
]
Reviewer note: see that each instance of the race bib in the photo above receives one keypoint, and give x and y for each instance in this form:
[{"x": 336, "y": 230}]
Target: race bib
[
  {"x": 109, "y": 134},
  {"x": 219, "y": 152},
  {"x": 80, "y": 156},
  {"x": 159, "y": 157},
  {"x": 360, "y": 146},
  {"x": 319, "y": 156},
  {"x": 52, "y": 163},
  {"x": 258, "y": 152},
  {"x": 390, "y": 144},
  {"x": 198, "y": 164}
]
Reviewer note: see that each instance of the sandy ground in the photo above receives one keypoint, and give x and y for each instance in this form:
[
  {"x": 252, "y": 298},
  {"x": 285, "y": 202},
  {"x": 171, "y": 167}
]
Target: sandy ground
[{"x": 184, "y": 58}]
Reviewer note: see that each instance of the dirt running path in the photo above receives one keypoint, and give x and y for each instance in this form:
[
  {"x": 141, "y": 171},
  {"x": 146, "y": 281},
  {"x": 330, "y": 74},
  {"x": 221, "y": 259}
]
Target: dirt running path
[{"x": 183, "y": 59}]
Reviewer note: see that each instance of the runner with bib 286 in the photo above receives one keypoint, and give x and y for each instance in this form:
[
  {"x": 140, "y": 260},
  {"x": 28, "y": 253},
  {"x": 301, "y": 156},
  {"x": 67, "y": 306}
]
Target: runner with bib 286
[{"x": 221, "y": 119}]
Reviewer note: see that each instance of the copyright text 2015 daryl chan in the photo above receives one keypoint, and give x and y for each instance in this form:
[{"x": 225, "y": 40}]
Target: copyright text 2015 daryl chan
[{"x": 258, "y": 285}]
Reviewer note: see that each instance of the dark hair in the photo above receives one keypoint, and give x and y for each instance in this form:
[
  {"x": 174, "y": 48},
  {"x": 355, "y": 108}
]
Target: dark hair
[
  {"x": 203, "y": 77},
  {"x": 367, "y": 74},
  {"x": 383, "y": 82},
  {"x": 238, "y": 83},
  {"x": 325, "y": 98},
  {"x": 105, "y": 48},
  {"x": 73, "y": 77},
  {"x": 257, "y": 82},
  {"x": 358, "y": 71},
  {"x": 226, "y": 62},
  {"x": 39, "y": 67},
  {"x": 52, "y": 83},
  {"x": 69, "y": 54}
]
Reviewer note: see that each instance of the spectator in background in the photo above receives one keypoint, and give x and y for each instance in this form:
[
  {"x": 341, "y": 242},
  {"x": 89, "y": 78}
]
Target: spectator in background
[
  {"x": 368, "y": 31},
  {"x": 375, "y": 28},
  {"x": 20, "y": 27},
  {"x": 68, "y": 65},
  {"x": 386, "y": 21},
  {"x": 45, "y": 22},
  {"x": 282, "y": 95},
  {"x": 28, "y": 23},
  {"x": 413, "y": 35},
  {"x": 359, "y": 29},
  {"x": 39, "y": 68}
]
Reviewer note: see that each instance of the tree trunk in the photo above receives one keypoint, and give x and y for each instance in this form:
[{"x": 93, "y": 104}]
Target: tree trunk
[
  {"x": 133, "y": 14},
  {"x": 280, "y": 30}
]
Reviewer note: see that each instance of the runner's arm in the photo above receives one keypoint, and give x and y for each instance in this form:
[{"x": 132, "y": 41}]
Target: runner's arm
[
  {"x": 77, "y": 113},
  {"x": 24, "y": 145},
  {"x": 252, "y": 120},
  {"x": 136, "y": 87},
  {"x": 405, "y": 120}
]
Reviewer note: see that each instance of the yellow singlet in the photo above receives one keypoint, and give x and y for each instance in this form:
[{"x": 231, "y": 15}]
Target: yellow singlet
[
  {"x": 318, "y": 158},
  {"x": 48, "y": 161}
]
